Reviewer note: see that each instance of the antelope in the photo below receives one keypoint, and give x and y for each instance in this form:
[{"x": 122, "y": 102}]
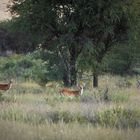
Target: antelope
[
  {"x": 70, "y": 92},
  {"x": 6, "y": 86}
]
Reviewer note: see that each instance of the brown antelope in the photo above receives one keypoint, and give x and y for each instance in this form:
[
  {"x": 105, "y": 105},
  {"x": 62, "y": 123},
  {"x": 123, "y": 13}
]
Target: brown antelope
[
  {"x": 70, "y": 92},
  {"x": 6, "y": 86}
]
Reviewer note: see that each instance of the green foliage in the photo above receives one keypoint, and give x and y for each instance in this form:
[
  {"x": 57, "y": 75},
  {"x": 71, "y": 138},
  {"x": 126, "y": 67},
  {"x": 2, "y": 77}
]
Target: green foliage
[
  {"x": 67, "y": 27},
  {"x": 33, "y": 66},
  {"x": 23, "y": 67},
  {"x": 50, "y": 66},
  {"x": 8, "y": 25},
  {"x": 121, "y": 60},
  {"x": 15, "y": 39}
]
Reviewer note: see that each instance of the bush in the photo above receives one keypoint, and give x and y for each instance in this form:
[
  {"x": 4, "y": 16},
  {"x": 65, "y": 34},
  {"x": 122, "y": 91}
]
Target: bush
[
  {"x": 66, "y": 117},
  {"x": 24, "y": 67},
  {"x": 124, "y": 83},
  {"x": 118, "y": 117},
  {"x": 120, "y": 60}
]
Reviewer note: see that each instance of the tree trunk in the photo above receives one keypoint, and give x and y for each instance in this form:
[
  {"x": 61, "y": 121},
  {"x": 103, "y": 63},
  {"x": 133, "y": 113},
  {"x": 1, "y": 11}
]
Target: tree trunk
[
  {"x": 73, "y": 74},
  {"x": 95, "y": 80},
  {"x": 73, "y": 71},
  {"x": 66, "y": 80}
]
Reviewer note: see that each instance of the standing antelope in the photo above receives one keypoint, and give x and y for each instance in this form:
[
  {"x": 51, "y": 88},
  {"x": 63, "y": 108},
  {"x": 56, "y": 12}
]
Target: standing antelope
[
  {"x": 6, "y": 86},
  {"x": 70, "y": 92}
]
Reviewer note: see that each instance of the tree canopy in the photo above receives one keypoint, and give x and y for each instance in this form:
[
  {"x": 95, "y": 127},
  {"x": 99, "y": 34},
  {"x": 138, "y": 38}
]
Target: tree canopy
[{"x": 66, "y": 27}]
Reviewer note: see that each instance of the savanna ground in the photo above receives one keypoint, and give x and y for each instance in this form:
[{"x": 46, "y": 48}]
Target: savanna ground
[{"x": 31, "y": 112}]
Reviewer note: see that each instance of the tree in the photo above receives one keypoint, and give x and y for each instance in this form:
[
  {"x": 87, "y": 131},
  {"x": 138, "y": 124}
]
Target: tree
[
  {"x": 67, "y": 26},
  {"x": 120, "y": 60}
]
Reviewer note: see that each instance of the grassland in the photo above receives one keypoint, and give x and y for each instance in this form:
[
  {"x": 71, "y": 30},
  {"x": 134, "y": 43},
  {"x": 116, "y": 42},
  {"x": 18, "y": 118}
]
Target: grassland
[{"x": 31, "y": 112}]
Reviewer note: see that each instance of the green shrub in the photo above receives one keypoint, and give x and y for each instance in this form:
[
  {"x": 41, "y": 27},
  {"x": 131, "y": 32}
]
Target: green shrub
[
  {"x": 66, "y": 117},
  {"x": 121, "y": 60},
  {"x": 122, "y": 83},
  {"x": 24, "y": 67},
  {"x": 119, "y": 117},
  {"x": 25, "y": 63}
]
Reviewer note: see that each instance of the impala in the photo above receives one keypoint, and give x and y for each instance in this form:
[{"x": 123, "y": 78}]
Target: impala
[
  {"x": 70, "y": 92},
  {"x": 6, "y": 86}
]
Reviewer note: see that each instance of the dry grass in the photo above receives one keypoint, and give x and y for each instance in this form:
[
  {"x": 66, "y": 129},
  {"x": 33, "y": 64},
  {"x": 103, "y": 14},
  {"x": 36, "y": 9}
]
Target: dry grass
[
  {"x": 36, "y": 113},
  {"x": 60, "y": 131}
]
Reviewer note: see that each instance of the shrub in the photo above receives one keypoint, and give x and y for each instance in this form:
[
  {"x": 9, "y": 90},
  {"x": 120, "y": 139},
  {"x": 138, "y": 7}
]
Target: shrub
[
  {"x": 24, "y": 67},
  {"x": 124, "y": 83},
  {"x": 118, "y": 117},
  {"x": 66, "y": 117}
]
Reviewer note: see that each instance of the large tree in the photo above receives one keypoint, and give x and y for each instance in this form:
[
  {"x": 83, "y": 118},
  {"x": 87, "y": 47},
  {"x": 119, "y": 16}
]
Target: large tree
[{"x": 66, "y": 27}]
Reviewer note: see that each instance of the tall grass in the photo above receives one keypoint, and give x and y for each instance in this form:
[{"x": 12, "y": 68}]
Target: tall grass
[
  {"x": 61, "y": 131},
  {"x": 41, "y": 113}
]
